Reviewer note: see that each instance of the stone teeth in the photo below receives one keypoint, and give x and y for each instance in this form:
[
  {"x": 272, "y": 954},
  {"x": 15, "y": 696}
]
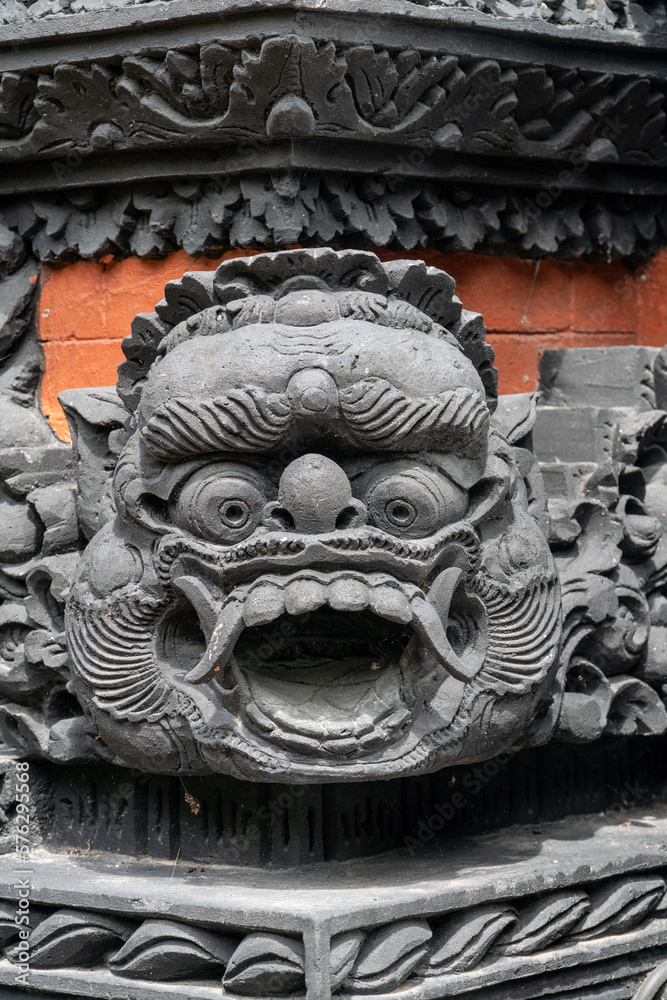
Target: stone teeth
[
  {"x": 442, "y": 590},
  {"x": 390, "y": 603},
  {"x": 304, "y": 595},
  {"x": 267, "y": 601},
  {"x": 398, "y": 719},
  {"x": 348, "y": 594},
  {"x": 263, "y": 604},
  {"x": 223, "y": 639}
]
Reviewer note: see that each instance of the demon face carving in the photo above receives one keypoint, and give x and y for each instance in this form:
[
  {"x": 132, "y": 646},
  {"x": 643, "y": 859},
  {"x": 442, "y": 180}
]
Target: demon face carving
[{"x": 323, "y": 565}]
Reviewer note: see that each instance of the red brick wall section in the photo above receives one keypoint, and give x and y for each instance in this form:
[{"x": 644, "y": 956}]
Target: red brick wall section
[{"x": 85, "y": 310}]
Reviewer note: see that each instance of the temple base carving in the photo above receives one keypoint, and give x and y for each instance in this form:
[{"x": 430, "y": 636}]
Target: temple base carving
[{"x": 576, "y": 905}]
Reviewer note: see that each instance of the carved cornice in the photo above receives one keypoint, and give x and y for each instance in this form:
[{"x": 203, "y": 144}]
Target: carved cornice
[
  {"x": 509, "y": 921},
  {"x": 412, "y": 951},
  {"x": 292, "y": 88},
  {"x": 524, "y": 110}
]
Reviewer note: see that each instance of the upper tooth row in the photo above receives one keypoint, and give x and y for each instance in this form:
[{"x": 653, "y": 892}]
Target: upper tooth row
[{"x": 266, "y": 601}]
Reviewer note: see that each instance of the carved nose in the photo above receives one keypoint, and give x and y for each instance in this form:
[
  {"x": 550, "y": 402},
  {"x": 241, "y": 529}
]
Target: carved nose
[{"x": 314, "y": 496}]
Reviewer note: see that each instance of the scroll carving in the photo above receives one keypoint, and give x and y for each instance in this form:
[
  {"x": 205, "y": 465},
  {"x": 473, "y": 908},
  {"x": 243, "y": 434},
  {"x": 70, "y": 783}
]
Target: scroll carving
[{"x": 296, "y": 87}]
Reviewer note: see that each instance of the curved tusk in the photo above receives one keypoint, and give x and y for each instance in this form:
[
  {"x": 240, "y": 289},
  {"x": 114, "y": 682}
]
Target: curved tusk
[
  {"x": 199, "y": 596},
  {"x": 429, "y": 619},
  {"x": 229, "y": 626}
]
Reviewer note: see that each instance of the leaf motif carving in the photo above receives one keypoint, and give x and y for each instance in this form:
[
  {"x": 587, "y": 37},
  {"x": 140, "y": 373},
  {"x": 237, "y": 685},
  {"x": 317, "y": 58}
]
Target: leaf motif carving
[
  {"x": 463, "y": 939},
  {"x": 9, "y": 929},
  {"x": 402, "y": 91},
  {"x": 17, "y": 110},
  {"x": 74, "y": 938},
  {"x": 266, "y": 965},
  {"x": 388, "y": 956},
  {"x": 344, "y": 950},
  {"x": 620, "y": 906},
  {"x": 543, "y": 922},
  {"x": 636, "y": 709},
  {"x": 166, "y": 950},
  {"x": 196, "y": 88},
  {"x": 374, "y": 78}
]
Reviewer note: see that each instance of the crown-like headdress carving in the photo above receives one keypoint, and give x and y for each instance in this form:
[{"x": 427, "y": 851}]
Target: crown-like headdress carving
[{"x": 354, "y": 284}]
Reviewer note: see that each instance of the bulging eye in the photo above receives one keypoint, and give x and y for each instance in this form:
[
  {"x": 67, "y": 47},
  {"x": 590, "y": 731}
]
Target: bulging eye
[
  {"x": 222, "y": 502},
  {"x": 410, "y": 500}
]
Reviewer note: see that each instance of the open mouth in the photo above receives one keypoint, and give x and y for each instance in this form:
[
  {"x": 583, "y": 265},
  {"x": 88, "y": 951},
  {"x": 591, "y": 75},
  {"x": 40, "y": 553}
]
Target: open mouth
[
  {"x": 325, "y": 676},
  {"x": 319, "y": 660}
]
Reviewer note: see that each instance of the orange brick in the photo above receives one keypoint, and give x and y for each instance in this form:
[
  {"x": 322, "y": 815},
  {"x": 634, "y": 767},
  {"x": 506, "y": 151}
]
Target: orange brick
[
  {"x": 516, "y": 295},
  {"x": 604, "y": 297},
  {"x": 513, "y": 295},
  {"x": 71, "y": 301},
  {"x": 652, "y": 282},
  {"x": 75, "y": 364},
  {"x": 86, "y": 308},
  {"x": 516, "y": 361},
  {"x": 90, "y": 300},
  {"x": 134, "y": 285},
  {"x": 517, "y": 354}
]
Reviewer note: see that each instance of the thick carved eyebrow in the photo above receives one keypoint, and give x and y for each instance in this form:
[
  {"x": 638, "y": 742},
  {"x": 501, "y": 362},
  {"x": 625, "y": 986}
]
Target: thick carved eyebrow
[
  {"x": 242, "y": 420},
  {"x": 380, "y": 415}
]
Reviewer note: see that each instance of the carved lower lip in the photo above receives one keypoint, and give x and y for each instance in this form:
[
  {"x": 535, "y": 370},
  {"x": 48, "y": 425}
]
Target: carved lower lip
[{"x": 267, "y": 599}]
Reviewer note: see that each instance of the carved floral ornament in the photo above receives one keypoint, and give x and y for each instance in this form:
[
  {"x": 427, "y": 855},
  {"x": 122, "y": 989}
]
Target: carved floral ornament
[
  {"x": 312, "y": 544},
  {"x": 291, "y": 87},
  {"x": 457, "y": 145}
]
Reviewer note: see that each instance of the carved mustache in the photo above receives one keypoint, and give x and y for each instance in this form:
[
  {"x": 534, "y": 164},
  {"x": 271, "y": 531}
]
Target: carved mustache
[{"x": 265, "y": 600}]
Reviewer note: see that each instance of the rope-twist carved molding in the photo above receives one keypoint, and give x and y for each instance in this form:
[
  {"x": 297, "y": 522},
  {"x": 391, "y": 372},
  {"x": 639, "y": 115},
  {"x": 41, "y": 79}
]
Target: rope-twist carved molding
[{"x": 379, "y": 960}]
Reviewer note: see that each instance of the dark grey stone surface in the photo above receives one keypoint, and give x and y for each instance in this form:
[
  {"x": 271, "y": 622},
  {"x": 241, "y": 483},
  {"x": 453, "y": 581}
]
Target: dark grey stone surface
[
  {"x": 285, "y": 123},
  {"x": 603, "y": 15},
  {"x": 575, "y": 902},
  {"x": 320, "y": 569},
  {"x": 261, "y": 412}
]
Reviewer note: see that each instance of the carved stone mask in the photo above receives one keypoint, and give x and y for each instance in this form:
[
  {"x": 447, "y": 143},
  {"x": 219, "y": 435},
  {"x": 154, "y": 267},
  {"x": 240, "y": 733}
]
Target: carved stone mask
[{"x": 322, "y": 566}]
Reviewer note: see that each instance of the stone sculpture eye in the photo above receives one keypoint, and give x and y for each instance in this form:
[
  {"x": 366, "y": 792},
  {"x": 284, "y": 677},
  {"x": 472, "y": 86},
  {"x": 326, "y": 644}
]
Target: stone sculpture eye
[
  {"x": 222, "y": 502},
  {"x": 409, "y": 500},
  {"x": 400, "y": 513}
]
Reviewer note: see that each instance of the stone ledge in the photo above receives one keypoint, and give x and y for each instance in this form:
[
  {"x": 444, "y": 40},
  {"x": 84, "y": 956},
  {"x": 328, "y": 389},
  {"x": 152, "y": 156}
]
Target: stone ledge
[{"x": 318, "y": 902}]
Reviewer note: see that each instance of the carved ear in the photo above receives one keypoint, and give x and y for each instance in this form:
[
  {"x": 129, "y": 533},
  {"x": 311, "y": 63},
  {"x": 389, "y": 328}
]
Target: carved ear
[
  {"x": 93, "y": 415},
  {"x": 491, "y": 490},
  {"x": 515, "y": 415}
]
